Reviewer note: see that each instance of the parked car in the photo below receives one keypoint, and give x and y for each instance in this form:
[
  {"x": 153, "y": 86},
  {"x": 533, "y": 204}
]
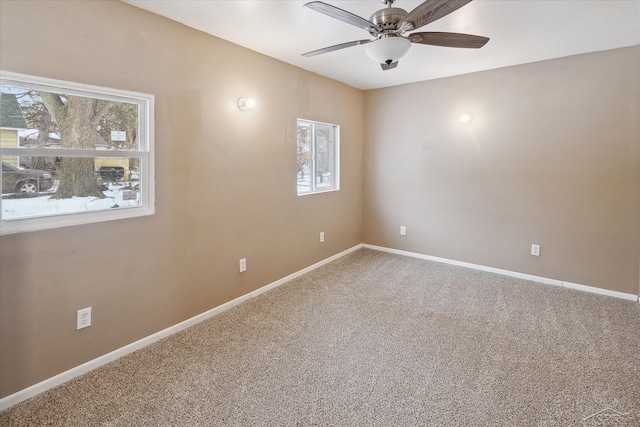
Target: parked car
[
  {"x": 112, "y": 173},
  {"x": 24, "y": 181}
]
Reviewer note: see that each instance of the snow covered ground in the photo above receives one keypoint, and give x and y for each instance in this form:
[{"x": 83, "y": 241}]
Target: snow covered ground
[{"x": 45, "y": 205}]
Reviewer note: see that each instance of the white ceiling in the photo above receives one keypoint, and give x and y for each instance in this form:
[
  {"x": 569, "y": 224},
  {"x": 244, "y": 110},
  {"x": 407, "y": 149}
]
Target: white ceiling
[{"x": 521, "y": 31}]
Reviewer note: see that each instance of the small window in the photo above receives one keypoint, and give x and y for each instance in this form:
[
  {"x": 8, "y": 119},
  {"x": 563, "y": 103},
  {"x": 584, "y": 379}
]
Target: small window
[
  {"x": 318, "y": 146},
  {"x": 72, "y": 153}
]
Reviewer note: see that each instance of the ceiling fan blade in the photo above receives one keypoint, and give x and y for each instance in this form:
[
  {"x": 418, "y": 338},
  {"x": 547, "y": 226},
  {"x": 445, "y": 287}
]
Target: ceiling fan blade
[
  {"x": 389, "y": 66},
  {"x": 431, "y": 10},
  {"x": 449, "y": 40},
  {"x": 342, "y": 15},
  {"x": 336, "y": 47}
]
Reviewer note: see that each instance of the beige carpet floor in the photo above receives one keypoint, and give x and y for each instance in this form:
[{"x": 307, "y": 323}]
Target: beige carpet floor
[{"x": 375, "y": 339}]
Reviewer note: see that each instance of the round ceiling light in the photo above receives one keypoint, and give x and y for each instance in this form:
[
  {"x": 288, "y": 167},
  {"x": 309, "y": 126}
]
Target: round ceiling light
[{"x": 387, "y": 50}]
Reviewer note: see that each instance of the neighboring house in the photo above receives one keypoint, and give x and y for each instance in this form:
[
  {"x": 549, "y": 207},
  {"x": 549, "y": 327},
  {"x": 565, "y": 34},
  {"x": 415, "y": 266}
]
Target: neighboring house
[{"x": 11, "y": 122}]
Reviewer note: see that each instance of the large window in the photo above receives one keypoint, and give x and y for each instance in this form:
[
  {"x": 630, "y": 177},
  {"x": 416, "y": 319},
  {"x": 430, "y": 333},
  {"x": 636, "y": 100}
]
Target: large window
[
  {"x": 72, "y": 153},
  {"x": 318, "y": 157}
]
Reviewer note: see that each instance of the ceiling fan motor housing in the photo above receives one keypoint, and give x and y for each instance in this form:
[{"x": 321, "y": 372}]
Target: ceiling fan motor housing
[{"x": 388, "y": 18}]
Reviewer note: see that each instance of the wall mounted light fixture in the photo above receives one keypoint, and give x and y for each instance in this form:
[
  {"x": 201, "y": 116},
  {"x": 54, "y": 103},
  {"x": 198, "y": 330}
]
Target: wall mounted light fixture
[
  {"x": 466, "y": 118},
  {"x": 246, "y": 103}
]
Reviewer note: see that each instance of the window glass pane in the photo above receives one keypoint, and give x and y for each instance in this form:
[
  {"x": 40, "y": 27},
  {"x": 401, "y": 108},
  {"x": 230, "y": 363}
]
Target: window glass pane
[
  {"x": 72, "y": 148},
  {"x": 35, "y": 186},
  {"x": 303, "y": 135},
  {"x": 324, "y": 135},
  {"x": 56, "y": 120},
  {"x": 318, "y": 154}
]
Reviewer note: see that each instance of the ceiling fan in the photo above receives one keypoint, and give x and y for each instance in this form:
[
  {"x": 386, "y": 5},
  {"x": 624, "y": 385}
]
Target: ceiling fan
[{"x": 389, "y": 26}]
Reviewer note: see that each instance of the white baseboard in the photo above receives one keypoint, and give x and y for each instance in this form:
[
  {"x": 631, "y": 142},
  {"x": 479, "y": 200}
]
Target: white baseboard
[
  {"x": 585, "y": 288},
  {"x": 601, "y": 291},
  {"x": 116, "y": 354}
]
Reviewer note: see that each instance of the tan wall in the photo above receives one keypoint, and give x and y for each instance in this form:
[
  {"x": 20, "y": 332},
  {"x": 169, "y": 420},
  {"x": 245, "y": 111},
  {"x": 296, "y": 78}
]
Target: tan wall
[
  {"x": 551, "y": 157},
  {"x": 225, "y": 185}
]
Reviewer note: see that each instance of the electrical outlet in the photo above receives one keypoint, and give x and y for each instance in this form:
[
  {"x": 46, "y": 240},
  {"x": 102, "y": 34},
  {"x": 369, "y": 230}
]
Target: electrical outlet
[
  {"x": 403, "y": 230},
  {"x": 321, "y": 236},
  {"x": 84, "y": 318},
  {"x": 243, "y": 265},
  {"x": 535, "y": 250}
]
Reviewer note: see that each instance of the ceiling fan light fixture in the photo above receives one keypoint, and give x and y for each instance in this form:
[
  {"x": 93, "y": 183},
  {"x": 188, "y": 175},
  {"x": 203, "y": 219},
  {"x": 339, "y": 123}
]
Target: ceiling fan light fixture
[{"x": 387, "y": 50}]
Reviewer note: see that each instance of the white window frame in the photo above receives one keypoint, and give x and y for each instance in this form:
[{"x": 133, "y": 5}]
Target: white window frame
[
  {"x": 145, "y": 152},
  {"x": 336, "y": 156}
]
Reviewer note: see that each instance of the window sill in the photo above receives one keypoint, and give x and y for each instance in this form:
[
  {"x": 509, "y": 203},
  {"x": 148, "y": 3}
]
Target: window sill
[
  {"x": 319, "y": 192},
  {"x": 45, "y": 223}
]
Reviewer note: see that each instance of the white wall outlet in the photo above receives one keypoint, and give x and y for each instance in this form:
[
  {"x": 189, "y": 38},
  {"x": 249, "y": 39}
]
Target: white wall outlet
[
  {"x": 321, "y": 236},
  {"x": 403, "y": 230},
  {"x": 83, "y": 318},
  {"x": 243, "y": 265},
  {"x": 535, "y": 250}
]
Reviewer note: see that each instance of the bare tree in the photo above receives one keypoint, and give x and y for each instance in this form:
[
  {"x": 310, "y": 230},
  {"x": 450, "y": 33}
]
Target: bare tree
[
  {"x": 77, "y": 119},
  {"x": 37, "y": 117},
  {"x": 302, "y": 139},
  {"x": 122, "y": 117}
]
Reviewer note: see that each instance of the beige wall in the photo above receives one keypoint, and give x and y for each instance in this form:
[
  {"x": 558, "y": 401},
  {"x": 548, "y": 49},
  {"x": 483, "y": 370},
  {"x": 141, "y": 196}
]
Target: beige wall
[
  {"x": 225, "y": 185},
  {"x": 551, "y": 157}
]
